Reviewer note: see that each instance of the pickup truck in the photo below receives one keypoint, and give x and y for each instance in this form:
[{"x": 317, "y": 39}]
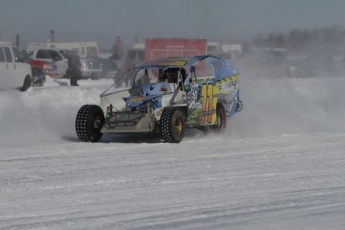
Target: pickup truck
[
  {"x": 58, "y": 56},
  {"x": 46, "y": 67}
]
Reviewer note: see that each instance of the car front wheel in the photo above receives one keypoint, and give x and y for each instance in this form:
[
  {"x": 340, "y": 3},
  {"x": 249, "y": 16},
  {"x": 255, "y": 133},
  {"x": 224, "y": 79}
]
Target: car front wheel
[
  {"x": 89, "y": 122},
  {"x": 221, "y": 119},
  {"x": 173, "y": 125}
]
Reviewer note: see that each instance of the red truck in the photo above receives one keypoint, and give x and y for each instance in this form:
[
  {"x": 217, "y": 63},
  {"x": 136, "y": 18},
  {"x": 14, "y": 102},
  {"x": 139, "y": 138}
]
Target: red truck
[
  {"x": 156, "y": 48},
  {"x": 47, "y": 68}
]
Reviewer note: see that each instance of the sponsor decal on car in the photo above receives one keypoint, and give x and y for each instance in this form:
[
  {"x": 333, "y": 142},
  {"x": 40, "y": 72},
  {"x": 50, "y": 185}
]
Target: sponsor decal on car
[{"x": 136, "y": 99}]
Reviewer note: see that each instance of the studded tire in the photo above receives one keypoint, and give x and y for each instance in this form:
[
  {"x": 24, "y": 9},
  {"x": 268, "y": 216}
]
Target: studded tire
[
  {"x": 172, "y": 125},
  {"x": 88, "y": 124}
]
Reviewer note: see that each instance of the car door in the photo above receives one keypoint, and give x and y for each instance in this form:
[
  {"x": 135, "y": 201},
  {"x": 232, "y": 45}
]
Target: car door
[
  {"x": 59, "y": 61},
  {"x": 4, "y": 73},
  {"x": 9, "y": 80},
  {"x": 21, "y": 68}
]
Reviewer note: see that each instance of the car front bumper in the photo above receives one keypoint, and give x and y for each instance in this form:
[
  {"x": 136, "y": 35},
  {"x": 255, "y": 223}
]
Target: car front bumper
[{"x": 91, "y": 73}]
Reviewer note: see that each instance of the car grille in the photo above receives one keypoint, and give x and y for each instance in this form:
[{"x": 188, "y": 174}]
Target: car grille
[{"x": 93, "y": 65}]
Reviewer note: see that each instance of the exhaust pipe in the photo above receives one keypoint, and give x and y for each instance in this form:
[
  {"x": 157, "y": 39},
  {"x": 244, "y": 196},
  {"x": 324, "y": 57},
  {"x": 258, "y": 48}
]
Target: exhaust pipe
[{"x": 52, "y": 36}]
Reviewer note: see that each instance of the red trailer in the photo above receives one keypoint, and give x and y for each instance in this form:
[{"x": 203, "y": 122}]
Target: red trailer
[{"x": 156, "y": 48}]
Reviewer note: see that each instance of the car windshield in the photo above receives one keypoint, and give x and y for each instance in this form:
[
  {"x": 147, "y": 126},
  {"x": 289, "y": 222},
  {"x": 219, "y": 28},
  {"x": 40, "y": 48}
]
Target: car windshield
[
  {"x": 137, "y": 55},
  {"x": 134, "y": 78},
  {"x": 109, "y": 62},
  {"x": 144, "y": 76},
  {"x": 91, "y": 50},
  {"x": 65, "y": 53}
]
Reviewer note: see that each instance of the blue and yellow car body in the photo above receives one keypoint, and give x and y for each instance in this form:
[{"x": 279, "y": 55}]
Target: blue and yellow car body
[
  {"x": 203, "y": 94},
  {"x": 199, "y": 96}
]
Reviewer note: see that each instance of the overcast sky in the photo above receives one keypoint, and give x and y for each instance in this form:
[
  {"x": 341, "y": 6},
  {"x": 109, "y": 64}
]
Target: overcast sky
[{"x": 103, "y": 20}]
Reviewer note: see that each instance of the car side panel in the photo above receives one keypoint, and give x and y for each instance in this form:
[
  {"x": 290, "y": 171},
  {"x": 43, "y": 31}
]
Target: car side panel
[
  {"x": 210, "y": 94},
  {"x": 13, "y": 69},
  {"x": 48, "y": 55},
  {"x": 4, "y": 72},
  {"x": 9, "y": 66},
  {"x": 21, "y": 68}
]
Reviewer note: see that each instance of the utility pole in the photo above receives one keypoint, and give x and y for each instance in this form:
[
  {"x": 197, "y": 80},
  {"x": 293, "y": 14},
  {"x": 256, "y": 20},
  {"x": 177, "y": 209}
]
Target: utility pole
[
  {"x": 52, "y": 36},
  {"x": 17, "y": 40}
]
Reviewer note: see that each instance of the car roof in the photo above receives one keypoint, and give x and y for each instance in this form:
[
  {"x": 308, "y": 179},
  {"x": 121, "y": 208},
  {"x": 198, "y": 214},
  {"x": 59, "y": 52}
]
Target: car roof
[
  {"x": 55, "y": 49},
  {"x": 173, "y": 62},
  {"x": 221, "y": 67},
  {"x": 6, "y": 43}
]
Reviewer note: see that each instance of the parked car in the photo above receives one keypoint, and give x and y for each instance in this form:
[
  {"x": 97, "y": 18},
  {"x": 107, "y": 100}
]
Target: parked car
[
  {"x": 91, "y": 68},
  {"x": 58, "y": 56},
  {"x": 109, "y": 68},
  {"x": 14, "y": 71},
  {"x": 163, "y": 98},
  {"x": 46, "y": 67}
]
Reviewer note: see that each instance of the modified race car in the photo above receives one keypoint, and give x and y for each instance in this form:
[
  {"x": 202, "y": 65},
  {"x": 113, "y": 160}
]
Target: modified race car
[{"x": 165, "y": 96}]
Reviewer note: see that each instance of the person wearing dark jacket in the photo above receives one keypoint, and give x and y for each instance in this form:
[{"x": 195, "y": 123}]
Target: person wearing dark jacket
[
  {"x": 119, "y": 49},
  {"x": 74, "y": 69}
]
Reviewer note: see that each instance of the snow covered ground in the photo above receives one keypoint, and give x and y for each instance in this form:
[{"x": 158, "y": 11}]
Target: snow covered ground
[{"x": 280, "y": 164}]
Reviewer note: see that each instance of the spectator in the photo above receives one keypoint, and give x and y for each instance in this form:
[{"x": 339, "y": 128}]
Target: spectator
[
  {"x": 25, "y": 55},
  {"x": 130, "y": 64},
  {"x": 119, "y": 48},
  {"x": 119, "y": 75},
  {"x": 74, "y": 69}
]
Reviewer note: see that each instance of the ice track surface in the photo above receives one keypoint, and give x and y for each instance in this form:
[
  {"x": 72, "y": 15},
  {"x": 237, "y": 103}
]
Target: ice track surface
[{"x": 280, "y": 164}]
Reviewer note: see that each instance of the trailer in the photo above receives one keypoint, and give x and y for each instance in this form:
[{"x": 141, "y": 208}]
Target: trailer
[
  {"x": 156, "y": 48},
  {"x": 84, "y": 49}
]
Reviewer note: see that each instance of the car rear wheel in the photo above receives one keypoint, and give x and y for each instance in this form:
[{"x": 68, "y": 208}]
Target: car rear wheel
[
  {"x": 221, "y": 122},
  {"x": 26, "y": 84},
  {"x": 221, "y": 119},
  {"x": 173, "y": 125},
  {"x": 89, "y": 122}
]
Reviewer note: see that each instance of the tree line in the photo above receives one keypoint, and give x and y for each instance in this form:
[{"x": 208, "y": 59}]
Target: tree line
[{"x": 330, "y": 39}]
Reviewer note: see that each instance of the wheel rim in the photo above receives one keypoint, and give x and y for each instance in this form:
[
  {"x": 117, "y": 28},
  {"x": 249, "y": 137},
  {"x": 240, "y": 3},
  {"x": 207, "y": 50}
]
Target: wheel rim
[
  {"x": 178, "y": 125},
  {"x": 96, "y": 122}
]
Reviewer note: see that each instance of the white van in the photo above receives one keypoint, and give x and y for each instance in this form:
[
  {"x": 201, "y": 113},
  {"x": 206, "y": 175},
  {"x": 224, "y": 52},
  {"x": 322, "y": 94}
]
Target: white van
[{"x": 14, "y": 71}]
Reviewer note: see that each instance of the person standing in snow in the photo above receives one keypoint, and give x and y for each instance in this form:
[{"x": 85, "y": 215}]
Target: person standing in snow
[
  {"x": 119, "y": 48},
  {"x": 74, "y": 69}
]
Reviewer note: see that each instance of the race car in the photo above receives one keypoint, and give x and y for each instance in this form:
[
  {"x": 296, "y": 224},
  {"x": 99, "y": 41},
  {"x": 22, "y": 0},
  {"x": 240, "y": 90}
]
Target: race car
[{"x": 165, "y": 96}]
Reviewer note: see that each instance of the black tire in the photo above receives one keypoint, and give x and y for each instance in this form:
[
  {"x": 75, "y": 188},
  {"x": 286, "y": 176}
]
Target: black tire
[
  {"x": 172, "y": 125},
  {"x": 27, "y": 83},
  {"x": 221, "y": 119},
  {"x": 88, "y": 124}
]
